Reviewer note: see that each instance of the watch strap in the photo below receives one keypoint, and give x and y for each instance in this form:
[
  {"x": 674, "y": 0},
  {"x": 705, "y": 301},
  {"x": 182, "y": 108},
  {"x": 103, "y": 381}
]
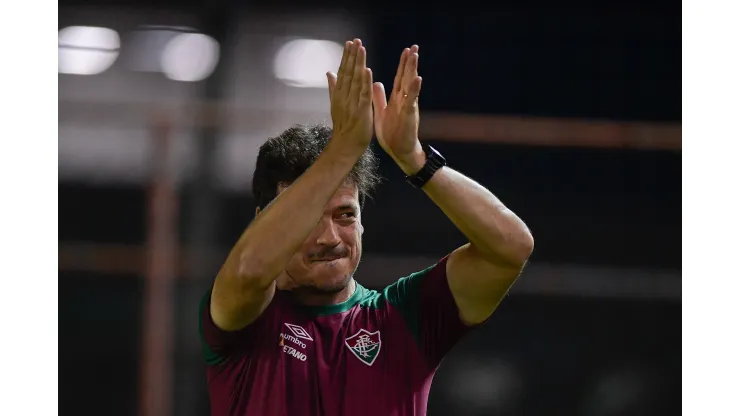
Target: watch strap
[{"x": 434, "y": 162}]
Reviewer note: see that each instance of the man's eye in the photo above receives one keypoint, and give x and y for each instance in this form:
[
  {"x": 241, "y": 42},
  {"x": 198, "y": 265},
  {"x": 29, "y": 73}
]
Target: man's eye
[{"x": 348, "y": 215}]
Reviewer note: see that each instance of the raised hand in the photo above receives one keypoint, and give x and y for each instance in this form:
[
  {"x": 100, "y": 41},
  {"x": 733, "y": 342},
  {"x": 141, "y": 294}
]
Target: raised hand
[
  {"x": 350, "y": 96},
  {"x": 397, "y": 120}
]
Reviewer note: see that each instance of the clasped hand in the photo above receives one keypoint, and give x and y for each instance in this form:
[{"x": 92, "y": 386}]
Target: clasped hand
[{"x": 358, "y": 106}]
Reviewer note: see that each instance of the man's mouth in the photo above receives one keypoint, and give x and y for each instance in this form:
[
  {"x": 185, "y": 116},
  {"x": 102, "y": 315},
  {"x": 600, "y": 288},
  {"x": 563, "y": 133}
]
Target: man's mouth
[{"x": 328, "y": 259}]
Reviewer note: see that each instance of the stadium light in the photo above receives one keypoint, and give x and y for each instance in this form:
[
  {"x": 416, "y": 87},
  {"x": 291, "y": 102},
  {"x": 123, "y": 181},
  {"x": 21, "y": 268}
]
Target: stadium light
[
  {"x": 190, "y": 57},
  {"x": 85, "y": 50},
  {"x": 303, "y": 63}
]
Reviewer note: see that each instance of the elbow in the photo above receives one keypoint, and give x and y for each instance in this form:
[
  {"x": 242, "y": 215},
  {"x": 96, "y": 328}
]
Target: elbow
[
  {"x": 527, "y": 247},
  {"x": 520, "y": 243},
  {"x": 252, "y": 272},
  {"x": 522, "y": 248},
  {"x": 513, "y": 252}
]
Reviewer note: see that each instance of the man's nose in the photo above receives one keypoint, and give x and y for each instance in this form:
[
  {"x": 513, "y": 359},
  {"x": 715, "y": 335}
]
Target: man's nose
[{"x": 328, "y": 235}]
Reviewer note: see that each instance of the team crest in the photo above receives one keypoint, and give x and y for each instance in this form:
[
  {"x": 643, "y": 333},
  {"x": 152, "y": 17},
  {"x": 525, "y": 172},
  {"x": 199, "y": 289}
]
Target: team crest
[{"x": 364, "y": 345}]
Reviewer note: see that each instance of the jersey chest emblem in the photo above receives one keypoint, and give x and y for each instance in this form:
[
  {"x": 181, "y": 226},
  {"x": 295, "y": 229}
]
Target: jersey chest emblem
[{"x": 364, "y": 345}]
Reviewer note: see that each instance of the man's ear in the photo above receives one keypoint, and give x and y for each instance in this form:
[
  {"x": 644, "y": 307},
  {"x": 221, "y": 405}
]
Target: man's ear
[{"x": 257, "y": 211}]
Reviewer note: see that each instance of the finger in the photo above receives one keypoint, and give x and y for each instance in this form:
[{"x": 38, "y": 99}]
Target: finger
[
  {"x": 358, "y": 80},
  {"x": 332, "y": 79},
  {"x": 411, "y": 100},
  {"x": 361, "y": 56},
  {"x": 414, "y": 49},
  {"x": 343, "y": 66},
  {"x": 354, "y": 49},
  {"x": 367, "y": 87},
  {"x": 379, "y": 99},
  {"x": 399, "y": 72},
  {"x": 410, "y": 73}
]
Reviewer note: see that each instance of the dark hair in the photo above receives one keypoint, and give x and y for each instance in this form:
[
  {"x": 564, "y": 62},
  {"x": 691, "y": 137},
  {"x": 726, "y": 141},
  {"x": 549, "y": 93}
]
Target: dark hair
[{"x": 282, "y": 159}]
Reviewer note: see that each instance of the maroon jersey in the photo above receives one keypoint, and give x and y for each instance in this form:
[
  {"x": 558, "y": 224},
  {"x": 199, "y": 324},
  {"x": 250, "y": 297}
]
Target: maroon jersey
[{"x": 374, "y": 354}]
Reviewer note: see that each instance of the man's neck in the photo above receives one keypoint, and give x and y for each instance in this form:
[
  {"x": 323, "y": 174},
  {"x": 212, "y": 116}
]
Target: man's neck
[{"x": 313, "y": 298}]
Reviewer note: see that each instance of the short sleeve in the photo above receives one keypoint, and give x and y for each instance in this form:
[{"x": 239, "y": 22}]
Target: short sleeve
[
  {"x": 425, "y": 300},
  {"x": 219, "y": 345}
]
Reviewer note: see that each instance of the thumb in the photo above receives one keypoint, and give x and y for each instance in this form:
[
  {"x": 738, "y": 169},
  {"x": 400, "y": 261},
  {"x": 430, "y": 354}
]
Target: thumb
[
  {"x": 332, "y": 79},
  {"x": 411, "y": 100},
  {"x": 379, "y": 100}
]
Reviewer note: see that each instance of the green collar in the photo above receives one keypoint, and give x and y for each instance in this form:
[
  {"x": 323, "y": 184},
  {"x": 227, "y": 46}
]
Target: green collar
[{"x": 360, "y": 293}]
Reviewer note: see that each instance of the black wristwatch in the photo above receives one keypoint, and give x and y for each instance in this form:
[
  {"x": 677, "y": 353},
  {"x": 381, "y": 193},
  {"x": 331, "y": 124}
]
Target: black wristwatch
[{"x": 434, "y": 162}]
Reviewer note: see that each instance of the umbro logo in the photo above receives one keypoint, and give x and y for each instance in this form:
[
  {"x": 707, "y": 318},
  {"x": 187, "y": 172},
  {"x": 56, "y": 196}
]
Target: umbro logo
[{"x": 299, "y": 332}]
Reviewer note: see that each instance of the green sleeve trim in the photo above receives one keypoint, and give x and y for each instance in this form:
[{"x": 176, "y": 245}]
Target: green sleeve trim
[
  {"x": 405, "y": 295},
  {"x": 210, "y": 356}
]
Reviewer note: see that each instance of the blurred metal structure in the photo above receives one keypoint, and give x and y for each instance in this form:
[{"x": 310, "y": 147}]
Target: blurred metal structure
[
  {"x": 379, "y": 270},
  {"x": 201, "y": 219},
  {"x": 446, "y": 126},
  {"x": 157, "y": 346}
]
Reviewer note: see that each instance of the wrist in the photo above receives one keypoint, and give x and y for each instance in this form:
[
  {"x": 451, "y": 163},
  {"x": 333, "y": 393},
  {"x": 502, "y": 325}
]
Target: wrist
[
  {"x": 341, "y": 147},
  {"x": 413, "y": 162},
  {"x": 433, "y": 163}
]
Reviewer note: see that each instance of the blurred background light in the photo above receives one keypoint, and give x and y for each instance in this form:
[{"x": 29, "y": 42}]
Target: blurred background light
[
  {"x": 190, "y": 57},
  {"x": 628, "y": 389},
  {"x": 485, "y": 385},
  {"x": 85, "y": 50},
  {"x": 145, "y": 45},
  {"x": 303, "y": 63}
]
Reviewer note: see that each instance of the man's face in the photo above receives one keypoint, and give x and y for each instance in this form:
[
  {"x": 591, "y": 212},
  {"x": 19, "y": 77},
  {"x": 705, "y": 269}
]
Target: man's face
[{"x": 330, "y": 255}]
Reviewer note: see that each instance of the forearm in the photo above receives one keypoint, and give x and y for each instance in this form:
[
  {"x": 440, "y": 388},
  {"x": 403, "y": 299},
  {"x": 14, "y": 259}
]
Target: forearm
[
  {"x": 277, "y": 232},
  {"x": 494, "y": 230}
]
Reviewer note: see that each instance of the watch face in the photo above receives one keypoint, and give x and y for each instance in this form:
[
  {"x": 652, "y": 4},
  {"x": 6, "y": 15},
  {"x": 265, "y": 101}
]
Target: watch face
[{"x": 434, "y": 156}]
